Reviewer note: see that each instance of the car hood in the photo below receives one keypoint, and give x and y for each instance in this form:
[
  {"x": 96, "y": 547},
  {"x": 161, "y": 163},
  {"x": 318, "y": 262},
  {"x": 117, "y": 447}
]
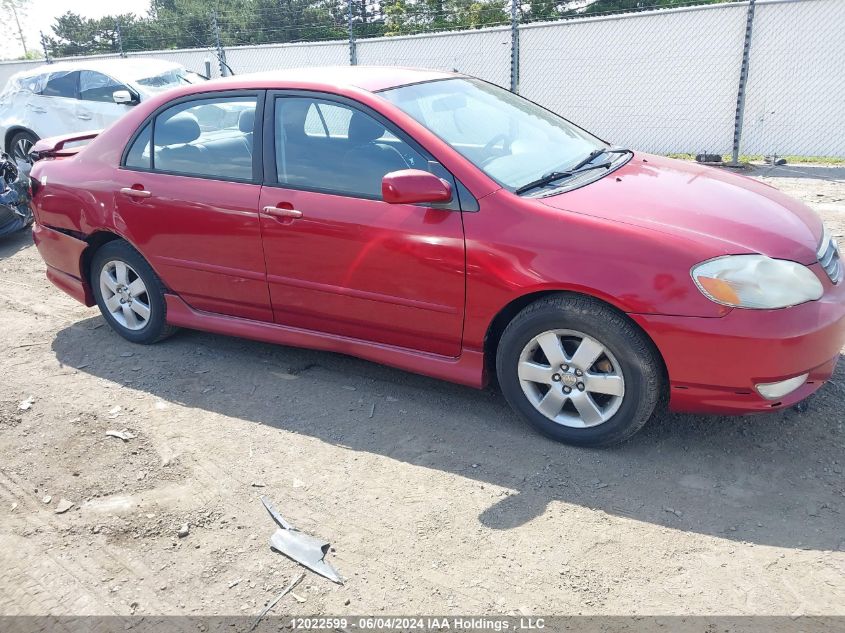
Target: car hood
[{"x": 730, "y": 213}]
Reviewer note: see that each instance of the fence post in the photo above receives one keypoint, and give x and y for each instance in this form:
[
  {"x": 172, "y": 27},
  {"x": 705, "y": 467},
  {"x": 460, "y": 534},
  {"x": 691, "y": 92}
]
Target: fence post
[
  {"x": 743, "y": 80},
  {"x": 353, "y": 48},
  {"x": 47, "y": 57},
  {"x": 221, "y": 54},
  {"x": 119, "y": 38},
  {"x": 514, "y": 47}
]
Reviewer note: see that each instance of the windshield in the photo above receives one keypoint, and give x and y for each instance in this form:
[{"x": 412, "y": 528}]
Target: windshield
[
  {"x": 165, "y": 80},
  {"x": 511, "y": 139}
]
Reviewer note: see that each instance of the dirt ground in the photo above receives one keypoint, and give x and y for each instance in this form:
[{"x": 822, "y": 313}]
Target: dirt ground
[{"x": 436, "y": 498}]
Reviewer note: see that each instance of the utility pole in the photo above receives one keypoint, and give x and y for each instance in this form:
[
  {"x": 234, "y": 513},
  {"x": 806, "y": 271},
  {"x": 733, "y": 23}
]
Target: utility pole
[
  {"x": 221, "y": 54},
  {"x": 11, "y": 6}
]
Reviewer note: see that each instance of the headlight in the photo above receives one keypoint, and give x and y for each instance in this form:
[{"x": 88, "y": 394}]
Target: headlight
[{"x": 756, "y": 281}]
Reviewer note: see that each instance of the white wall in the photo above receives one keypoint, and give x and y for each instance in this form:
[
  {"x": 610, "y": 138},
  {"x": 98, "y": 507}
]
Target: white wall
[
  {"x": 661, "y": 81},
  {"x": 796, "y": 79},
  {"x": 484, "y": 53}
]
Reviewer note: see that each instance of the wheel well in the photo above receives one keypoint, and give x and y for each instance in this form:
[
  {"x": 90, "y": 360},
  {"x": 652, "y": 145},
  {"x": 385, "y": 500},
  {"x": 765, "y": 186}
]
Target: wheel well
[
  {"x": 11, "y": 132},
  {"x": 506, "y": 315},
  {"x": 95, "y": 241}
]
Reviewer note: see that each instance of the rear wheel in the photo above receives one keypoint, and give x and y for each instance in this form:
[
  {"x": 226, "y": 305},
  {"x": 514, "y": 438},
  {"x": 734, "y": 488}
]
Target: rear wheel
[
  {"x": 579, "y": 371},
  {"x": 20, "y": 145},
  {"x": 129, "y": 293}
]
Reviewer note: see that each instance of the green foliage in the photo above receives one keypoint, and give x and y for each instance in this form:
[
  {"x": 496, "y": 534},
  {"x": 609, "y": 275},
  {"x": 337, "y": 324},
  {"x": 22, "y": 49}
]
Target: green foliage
[{"x": 188, "y": 23}]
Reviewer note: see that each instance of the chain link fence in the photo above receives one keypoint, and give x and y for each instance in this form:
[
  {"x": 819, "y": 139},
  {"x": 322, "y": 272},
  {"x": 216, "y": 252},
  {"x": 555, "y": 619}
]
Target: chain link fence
[{"x": 664, "y": 80}]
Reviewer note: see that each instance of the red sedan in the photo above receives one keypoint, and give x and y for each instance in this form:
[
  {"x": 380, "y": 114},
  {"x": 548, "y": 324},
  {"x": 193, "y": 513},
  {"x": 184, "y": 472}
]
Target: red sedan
[{"x": 439, "y": 224}]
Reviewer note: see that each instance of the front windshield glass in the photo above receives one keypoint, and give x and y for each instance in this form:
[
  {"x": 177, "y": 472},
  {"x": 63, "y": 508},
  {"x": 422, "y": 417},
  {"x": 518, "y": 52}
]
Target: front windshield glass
[
  {"x": 165, "y": 80},
  {"x": 511, "y": 139}
]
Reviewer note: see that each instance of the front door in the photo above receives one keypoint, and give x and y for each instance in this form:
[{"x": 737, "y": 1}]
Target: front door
[
  {"x": 96, "y": 108},
  {"x": 191, "y": 204},
  {"x": 339, "y": 259}
]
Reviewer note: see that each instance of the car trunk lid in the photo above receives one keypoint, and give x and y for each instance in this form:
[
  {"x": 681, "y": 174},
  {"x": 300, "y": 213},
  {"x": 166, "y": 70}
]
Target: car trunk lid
[{"x": 62, "y": 146}]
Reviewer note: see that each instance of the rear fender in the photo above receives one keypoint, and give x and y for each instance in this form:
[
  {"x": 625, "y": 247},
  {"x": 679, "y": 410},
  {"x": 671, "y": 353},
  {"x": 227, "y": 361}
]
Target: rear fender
[{"x": 63, "y": 254}]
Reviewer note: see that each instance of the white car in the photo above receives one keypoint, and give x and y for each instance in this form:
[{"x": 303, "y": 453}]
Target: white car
[{"x": 79, "y": 96}]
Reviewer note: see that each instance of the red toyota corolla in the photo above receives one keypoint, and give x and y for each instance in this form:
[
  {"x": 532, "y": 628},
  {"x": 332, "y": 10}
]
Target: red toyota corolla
[{"x": 439, "y": 224}]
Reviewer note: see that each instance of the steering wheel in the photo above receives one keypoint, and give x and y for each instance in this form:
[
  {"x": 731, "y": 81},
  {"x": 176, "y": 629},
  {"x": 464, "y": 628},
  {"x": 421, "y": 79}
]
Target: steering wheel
[{"x": 504, "y": 139}]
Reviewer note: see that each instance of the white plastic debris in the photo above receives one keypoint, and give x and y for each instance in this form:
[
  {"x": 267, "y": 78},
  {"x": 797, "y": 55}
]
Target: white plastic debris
[{"x": 121, "y": 435}]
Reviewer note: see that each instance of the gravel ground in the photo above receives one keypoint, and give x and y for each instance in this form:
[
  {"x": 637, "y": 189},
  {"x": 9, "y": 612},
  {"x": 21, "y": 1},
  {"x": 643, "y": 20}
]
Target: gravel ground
[{"x": 436, "y": 498}]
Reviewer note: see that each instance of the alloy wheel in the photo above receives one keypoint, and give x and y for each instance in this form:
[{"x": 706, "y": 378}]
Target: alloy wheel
[
  {"x": 571, "y": 378},
  {"x": 20, "y": 152},
  {"x": 125, "y": 294}
]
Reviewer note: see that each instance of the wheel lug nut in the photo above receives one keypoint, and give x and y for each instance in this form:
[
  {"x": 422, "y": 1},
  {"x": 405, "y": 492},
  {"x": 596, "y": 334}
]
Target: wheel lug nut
[
  {"x": 567, "y": 389},
  {"x": 565, "y": 367},
  {"x": 578, "y": 372},
  {"x": 556, "y": 377},
  {"x": 580, "y": 386}
]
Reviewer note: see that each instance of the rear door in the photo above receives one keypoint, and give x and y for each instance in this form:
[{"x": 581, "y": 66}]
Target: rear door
[
  {"x": 54, "y": 110},
  {"x": 340, "y": 259},
  {"x": 188, "y": 197}
]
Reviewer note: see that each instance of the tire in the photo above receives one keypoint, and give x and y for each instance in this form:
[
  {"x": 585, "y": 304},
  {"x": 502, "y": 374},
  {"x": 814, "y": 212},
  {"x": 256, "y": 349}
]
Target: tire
[
  {"x": 617, "y": 388},
  {"x": 132, "y": 298},
  {"x": 20, "y": 144}
]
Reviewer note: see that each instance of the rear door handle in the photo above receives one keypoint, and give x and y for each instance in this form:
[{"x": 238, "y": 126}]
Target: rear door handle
[
  {"x": 135, "y": 193},
  {"x": 83, "y": 116},
  {"x": 278, "y": 212}
]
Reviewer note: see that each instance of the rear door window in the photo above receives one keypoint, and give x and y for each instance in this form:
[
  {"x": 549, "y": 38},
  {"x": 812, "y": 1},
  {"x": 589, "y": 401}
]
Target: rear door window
[
  {"x": 62, "y": 84},
  {"x": 213, "y": 138}
]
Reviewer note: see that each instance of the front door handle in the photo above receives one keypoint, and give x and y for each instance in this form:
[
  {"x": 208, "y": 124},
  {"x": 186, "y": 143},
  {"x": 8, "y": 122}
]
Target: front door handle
[
  {"x": 135, "y": 193},
  {"x": 83, "y": 116},
  {"x": 278, "y": 212}
]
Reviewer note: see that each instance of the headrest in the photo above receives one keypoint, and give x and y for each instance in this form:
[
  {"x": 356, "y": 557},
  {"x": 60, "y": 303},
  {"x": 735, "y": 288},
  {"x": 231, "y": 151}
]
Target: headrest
[
  {"x": 246, "y": 121},
  {"x": 293, "y": 113},
  {"x": 182, "y": 128},
  {"x": 364, "y": 129}
]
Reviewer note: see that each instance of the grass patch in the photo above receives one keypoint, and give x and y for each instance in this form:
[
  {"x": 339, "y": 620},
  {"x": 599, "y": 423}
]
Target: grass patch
[{"x": 759, "y": 158}]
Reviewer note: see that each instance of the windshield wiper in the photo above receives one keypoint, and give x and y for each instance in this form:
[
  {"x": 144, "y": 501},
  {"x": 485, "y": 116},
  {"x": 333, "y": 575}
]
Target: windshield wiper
[
  {"x": 557, "y": 175},
  {"x": 598, "y": 152},
  {"x": 581, "y": 167}
]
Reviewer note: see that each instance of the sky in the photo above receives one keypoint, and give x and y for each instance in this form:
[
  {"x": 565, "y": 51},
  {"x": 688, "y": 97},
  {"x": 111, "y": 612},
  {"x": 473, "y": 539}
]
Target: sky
[{"x": 40, "y": 14}]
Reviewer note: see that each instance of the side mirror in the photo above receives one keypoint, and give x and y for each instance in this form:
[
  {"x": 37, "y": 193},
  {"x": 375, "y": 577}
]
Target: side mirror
[
  {"x": 124, "y": 97},
  {"x": 414, "y": 186}
]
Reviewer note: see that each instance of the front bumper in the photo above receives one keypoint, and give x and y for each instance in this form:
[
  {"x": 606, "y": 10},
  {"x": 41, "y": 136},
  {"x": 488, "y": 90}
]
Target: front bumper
[{"x": 715, "y": 363}]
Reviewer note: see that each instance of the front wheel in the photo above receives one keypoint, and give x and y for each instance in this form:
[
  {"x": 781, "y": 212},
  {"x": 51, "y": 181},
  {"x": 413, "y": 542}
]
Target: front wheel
[
  {"x": 579, "y": 371},
  {"x": 129, "y": 293}
]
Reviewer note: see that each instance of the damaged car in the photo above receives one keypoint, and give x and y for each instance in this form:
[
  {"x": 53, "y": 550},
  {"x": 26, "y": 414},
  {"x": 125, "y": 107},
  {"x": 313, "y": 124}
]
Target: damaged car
[
  {"x": 15, "y": 213},
  {"x": 76, "y": 96},
  {"x": 440, "y": 224}
]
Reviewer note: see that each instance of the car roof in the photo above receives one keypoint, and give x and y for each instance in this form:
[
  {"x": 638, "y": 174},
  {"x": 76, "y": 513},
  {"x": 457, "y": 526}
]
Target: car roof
[
  {"x": 369, "y": 78},
  {"x": 125, "y": 69}
]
